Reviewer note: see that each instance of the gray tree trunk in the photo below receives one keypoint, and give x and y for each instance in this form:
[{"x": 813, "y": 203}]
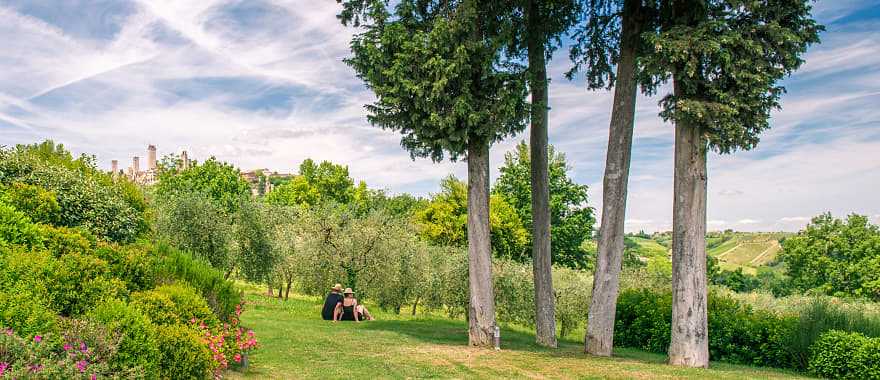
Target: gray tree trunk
[
  {"x": 689, "y": 345},
  {"x": 481, "y": 309},
  {"x": 545, "y": 309},
  {"x": 599, "y": 339}
]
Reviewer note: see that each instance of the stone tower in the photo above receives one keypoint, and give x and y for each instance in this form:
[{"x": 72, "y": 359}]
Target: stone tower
[
  {"x": 151, "y": 157},
  {"x": 114, "y": 167},
  {"x": 185, "y": 159},
  {"x": 136, "y": 164}
]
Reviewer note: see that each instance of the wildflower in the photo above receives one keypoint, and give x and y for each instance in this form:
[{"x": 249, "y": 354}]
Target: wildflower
[
  {"x": 192, "y": 320},
  {"x": 237, "y": 358},
  {"x": 3, "y": 367},
  {"x": 82, "y": 365},
  {"x": 83, "y": 347},
  {"x": 67, "y": 347},
  {"x": 38, "y": 338},
  {"x": 93, "y": 377}
]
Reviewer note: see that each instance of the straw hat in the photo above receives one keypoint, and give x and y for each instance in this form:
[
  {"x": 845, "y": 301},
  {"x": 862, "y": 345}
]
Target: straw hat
[
  {"x": 348, "y": 291},
  {"x": 337, "y": 287}
]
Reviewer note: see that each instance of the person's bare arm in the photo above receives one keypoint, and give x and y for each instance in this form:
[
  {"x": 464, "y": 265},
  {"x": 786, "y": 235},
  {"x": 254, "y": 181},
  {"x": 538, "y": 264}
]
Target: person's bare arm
[
  {"x": 354, "y": 308},
  {"x": 336, "y": 312}
]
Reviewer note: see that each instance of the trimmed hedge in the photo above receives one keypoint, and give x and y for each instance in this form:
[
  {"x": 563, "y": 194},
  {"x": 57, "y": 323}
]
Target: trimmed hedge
[
  {"x": 175, "y": 266},
  {"x": 843, "y": 355},
  {"x": 138, "y": 347}
]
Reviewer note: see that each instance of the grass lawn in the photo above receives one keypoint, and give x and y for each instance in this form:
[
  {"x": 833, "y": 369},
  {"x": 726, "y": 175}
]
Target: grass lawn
[{"x": 297, "y": 344}]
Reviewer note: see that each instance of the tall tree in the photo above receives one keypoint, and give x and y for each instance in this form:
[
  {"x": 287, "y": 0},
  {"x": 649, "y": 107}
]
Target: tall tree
[
  {"x": 438, "y": 73},
  {"x": 539, "y": 26},
  {"x": 571, "y": 218},
  {"x": 611, "y": 37},
  {"x": 725, "y": 58}
]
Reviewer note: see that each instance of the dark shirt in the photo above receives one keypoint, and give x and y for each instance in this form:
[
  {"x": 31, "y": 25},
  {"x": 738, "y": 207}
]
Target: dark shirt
[{"x": 329, "y": 305}]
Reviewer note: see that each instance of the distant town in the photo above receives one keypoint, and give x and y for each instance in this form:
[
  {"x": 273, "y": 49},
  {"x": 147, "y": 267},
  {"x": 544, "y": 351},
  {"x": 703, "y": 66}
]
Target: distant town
[{"x": 259, "y": 179}]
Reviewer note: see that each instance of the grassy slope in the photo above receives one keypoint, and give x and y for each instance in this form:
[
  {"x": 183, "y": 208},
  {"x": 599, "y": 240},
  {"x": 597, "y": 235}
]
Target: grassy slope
[
  {"x": 746, "y": 250},
  {"x": 296, "y": 344}
]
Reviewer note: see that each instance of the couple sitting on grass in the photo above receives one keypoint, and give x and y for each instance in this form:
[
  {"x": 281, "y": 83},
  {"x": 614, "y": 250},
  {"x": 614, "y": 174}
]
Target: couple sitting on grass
[{"x": 344, "y": 307}]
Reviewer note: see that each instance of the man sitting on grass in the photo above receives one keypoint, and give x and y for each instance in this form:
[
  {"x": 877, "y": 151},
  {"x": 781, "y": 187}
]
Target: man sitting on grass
[{"x": 333, "y": 303}]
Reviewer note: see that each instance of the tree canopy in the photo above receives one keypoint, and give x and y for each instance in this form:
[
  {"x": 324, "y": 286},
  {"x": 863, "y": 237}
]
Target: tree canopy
[
  {"x": 571, "y": 219},
  {"x": 835, "y": 256},
  {"x": 219, "y": 180}
]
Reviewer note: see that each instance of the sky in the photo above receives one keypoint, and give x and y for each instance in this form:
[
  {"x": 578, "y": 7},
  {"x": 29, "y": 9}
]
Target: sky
[{"x": 261, "y": 84}]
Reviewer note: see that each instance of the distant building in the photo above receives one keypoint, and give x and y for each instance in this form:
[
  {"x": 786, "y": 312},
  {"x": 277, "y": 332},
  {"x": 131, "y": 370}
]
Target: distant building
[
  {"x": 134, "y": 172},
  {"x": 259, "y": 181}
]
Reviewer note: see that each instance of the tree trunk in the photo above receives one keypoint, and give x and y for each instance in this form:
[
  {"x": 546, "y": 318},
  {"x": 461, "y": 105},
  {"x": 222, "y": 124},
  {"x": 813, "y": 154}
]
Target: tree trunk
[
  {"x": 287, "y": 292},
  {"x": 270, "y": 293},
  {"x": 599, "y": 339},
  {"x": 689, "y": 345},
  {"x": 545, "y": 310},
  {"x": 481, "y": 309},
  {"x": 415, "y": 305}
]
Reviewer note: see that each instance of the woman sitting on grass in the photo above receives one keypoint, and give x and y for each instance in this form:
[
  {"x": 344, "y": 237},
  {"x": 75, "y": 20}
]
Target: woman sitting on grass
[{"x": 351, "y": 310}]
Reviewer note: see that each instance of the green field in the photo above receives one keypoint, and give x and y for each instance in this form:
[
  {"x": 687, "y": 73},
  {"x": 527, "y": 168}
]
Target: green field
[
  {"x": 734, "y": 250},
  {"x": 296, "y": 344}
]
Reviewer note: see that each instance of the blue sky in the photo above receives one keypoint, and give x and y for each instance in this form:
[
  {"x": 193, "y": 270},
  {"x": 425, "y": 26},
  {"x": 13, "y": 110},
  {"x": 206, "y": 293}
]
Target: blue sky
[{"x": 261, "y": 84}]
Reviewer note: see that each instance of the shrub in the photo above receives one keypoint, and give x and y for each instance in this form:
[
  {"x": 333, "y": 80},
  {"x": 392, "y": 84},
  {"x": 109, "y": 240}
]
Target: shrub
[
  {"x": 184, "y": 355},
  {"x": 39, "y": 204},
  {"x": 134, "y": 264},
  {"x": 220, "y": 293},
  {"x": 737, "y": 333},
  {"x": 87, "y": 197},
  {"x": 174, "y": 304},
  {"x": 80, "y": 282},
  {"x": 16, "y": 228},
  {"x": 138, "y": 347},
  {"x": 514, "y": 292},
  {"x": 821, "y": 315},
  {"x": 62, "y": 240},
  {"x": 842, "y": 355},
  {"x": 573, "y": 289},
  {"x": 26, "y": 310}
]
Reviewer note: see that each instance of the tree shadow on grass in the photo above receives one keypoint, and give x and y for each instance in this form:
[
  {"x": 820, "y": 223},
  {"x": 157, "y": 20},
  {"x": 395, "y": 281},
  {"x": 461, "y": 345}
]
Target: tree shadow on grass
[{"x": 454, "y": 333}]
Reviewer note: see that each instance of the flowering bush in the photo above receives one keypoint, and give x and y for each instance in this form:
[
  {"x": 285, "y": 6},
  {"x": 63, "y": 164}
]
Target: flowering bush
[
  {"x": 229, "y": 342},
  {"x": 72, "y": 356}
]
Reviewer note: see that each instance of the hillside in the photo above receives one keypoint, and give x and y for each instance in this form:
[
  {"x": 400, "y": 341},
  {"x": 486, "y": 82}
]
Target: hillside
[
  {"x": 746, "y": 250},
  {"x": 295, "y": 343}
]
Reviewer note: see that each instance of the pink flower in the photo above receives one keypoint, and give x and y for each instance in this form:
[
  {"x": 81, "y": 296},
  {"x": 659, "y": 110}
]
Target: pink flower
[
  {"x": 3, "y": 367},
  {"x": 237, "y": 358},
  {"x": 193, "y": 320},
  {"x": 82, "y": 365},
  {"x": 67, "y": 347},
  {"x": 93, "y": 377},
  {"x": 38, "y": 338},
  {"x": 83, "y": 347}
]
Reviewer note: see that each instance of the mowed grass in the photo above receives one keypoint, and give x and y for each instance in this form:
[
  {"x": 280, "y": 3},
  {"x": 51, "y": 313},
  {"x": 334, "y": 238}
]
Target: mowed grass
[
  {"x": 297, "y": 344},
  {"x": 747, "y": 251}
]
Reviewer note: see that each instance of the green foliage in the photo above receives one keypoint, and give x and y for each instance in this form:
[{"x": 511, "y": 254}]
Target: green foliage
[
  {"x": 316, "y": 184},
  {"x": 134, "y": 264},
  {"x": 820, "y": 316},
  {"x": 174, "y": 265},
  {"x": 438, "y": 73},
  {"x": 571, "y": 220},
  {"x": 737, "y": 333},
  {"x": 837, "y": 257},
  {"x": 218, "y": 180},
  {"x": 27, "y": 310},
  {"x": 255, "y": 258},
  {"x": 174, "y": 304},
  {"x": 16, "y": 227},
  {"x": 727, "y": 57},
  {"x": 842, "y": 355},
  {"x": 39, "y": 204},
  {"x": 183, "y": 355},
  {"x": 138, "y": 346},
  {"x": 573, "y": 289},
  {"x": 87, "y": 197},
  {"x": 196, "y": 223},
  {"x": 444, "y": 221}
]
